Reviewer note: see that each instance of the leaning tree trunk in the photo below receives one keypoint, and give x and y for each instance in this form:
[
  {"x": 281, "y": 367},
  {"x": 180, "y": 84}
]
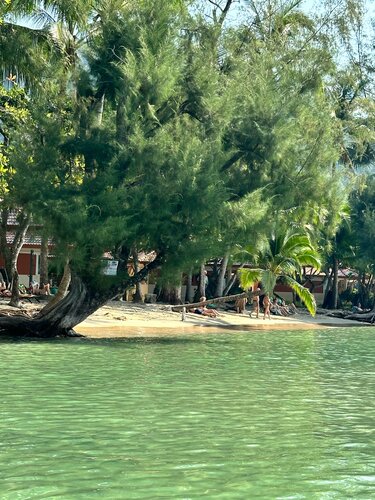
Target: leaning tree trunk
[
  {"x": 218, "y": 300},
  {"x": 232, "y": 280},
  {"x": 61, "y": 319},
  {"x": 17, "y": 244},
  {"x": 61, "y": 292},
  {"x": 82, "y": 300}
]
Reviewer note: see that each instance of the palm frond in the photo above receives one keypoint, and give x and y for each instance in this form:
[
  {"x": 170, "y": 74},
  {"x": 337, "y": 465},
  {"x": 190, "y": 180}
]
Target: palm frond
[
  {"x": 23, "y": 51},
  {"x": 268, "y": 281},
  {"x": 310, "y": 258},
  {"x": 303, "y": 293},
  {"x": 249, "y": 276},
  {"x": 289, "y": 267},
  {"x": 294, "y": 242},
  {"x": 41, "y": 18}
]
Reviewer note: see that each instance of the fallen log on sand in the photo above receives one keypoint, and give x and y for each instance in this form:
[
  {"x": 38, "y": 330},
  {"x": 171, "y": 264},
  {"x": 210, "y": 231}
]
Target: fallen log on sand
[
  {"x": 218, "y": 300},
  {"x": 364, "y": 317}
]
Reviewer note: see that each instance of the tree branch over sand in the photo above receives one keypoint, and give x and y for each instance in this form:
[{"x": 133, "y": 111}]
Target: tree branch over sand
[{"x": 217, "y": 300}]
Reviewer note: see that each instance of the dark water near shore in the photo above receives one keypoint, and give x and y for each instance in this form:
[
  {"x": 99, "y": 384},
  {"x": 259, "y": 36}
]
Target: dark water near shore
[{"x": 286, "y": 415}]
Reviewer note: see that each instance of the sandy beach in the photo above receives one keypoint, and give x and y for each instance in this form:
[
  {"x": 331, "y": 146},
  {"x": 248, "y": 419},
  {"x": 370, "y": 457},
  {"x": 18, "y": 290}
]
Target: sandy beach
[{"x": 126, "y": 319}]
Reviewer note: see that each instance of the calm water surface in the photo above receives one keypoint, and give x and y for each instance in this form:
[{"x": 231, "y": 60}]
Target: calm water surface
[{"x": 284, "y": 415}]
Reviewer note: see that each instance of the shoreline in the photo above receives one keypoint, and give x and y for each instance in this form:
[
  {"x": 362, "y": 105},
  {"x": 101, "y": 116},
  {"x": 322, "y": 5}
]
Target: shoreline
[{"x": 129, "y": 320}]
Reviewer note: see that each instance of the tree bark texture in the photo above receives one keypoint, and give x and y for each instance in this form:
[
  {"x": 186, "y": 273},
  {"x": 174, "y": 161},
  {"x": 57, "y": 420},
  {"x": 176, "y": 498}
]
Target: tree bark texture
[
  {"x": 232, "y": 280},
  {"x": 220, "y": 283},
  {"x": 189, "y": 286},
  {"x": 15, "y": 248},
  {"x": 171, "y": 294},
  {"x": 62, "y": 290},
  {"x": 82, "y": 300},
  {"x": 202, "y": 281},
  {"x": 44, "y": 260}
]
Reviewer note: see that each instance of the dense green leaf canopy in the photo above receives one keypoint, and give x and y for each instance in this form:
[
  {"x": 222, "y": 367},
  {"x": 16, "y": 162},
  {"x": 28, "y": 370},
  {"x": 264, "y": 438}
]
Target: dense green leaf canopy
[{"x": 162, "y": 129}]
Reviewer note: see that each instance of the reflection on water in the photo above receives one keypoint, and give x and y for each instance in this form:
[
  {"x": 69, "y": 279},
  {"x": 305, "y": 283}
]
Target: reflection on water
[{"x": 284, "y": 415}]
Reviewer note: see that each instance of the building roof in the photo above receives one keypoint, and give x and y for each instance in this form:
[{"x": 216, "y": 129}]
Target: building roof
[
  {"x": 12, "y": 218},
  {"x": 30, "y": 239}
]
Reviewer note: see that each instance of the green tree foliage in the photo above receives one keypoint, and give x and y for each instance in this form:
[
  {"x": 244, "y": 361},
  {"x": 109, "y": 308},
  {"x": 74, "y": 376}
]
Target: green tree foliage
[{"x": 162, "y": 130}]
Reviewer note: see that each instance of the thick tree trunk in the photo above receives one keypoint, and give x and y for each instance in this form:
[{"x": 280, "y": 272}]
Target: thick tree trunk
[
  {"x": 189, "y": 286},
  {"x": 82, "y": 300},
  {"x": 220, "y": 283},
  {"x": 177, "y": 294},
  {"x": 327, "y": 302},
  {"x": 15, "y": 299},
  {"x": 171, "y": 294},
  {"x": 202, "y": 281},
  {"x": 61, "y": 292},
  {"x": 61, "y": 319}
]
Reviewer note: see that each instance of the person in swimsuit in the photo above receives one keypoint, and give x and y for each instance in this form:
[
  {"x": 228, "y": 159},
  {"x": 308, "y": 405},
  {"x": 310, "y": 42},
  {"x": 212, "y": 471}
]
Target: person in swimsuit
[
  {"x": 255, "y": 305},
  {"x": 205, "y": 311}
]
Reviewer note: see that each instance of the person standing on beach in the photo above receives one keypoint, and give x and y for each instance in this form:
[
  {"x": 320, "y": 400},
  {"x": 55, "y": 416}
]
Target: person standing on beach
[
  {"x": 266, "y": 306},
  {"x": 255, "y": 305}
]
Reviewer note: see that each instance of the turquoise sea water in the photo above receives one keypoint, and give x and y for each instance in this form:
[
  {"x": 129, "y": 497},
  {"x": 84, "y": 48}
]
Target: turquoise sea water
[{"x": 284, "y": 415}]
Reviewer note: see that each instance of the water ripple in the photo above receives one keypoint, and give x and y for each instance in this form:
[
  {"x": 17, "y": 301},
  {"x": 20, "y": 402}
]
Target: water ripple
[{"x": 286, "y": 415}]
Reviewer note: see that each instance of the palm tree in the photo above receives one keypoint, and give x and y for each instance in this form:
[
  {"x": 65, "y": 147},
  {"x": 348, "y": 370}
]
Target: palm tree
[{"x": 281, "y": 257}]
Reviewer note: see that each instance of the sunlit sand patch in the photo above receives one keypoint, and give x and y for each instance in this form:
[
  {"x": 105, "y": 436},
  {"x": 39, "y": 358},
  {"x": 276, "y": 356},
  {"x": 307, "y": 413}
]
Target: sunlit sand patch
[{"x": 127, "y": 320}]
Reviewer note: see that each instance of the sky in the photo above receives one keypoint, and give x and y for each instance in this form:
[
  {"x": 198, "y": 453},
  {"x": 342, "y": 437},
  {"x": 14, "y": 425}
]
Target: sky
[{"x": 307, "y": 6}]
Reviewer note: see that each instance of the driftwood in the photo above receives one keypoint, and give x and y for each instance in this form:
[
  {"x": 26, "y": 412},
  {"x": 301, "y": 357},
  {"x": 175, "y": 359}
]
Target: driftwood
[
  {"x": 218, "y": 300},
  {"x": 366, "y": 317}
]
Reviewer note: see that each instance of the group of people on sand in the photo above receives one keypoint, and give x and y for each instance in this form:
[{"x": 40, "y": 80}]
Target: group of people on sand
[
  {"x": 240, "y": 305},
  {"x": 256, "y": 306},
  {"x": 277, "y": 306},
  {"x": 280, "y": 308},
  {"x": 33, "y": 289},
  {"x": 40, "y": 289}
]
